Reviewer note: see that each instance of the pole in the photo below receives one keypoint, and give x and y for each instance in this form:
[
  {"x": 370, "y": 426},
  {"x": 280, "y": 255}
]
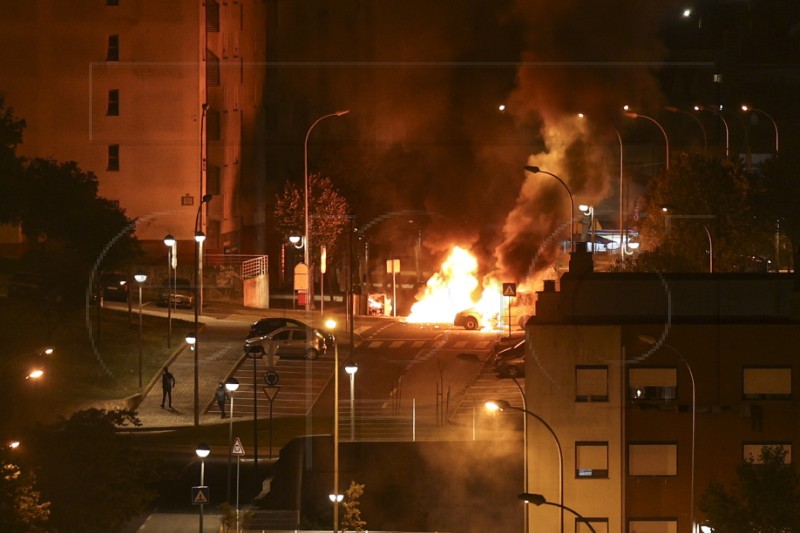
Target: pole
[
  {"x": 197, "y": 336},
  {"x": 525, "y": 451},
  {"x": 238, "y": 461},
  {"x": 140, "y": 335},
  {"x": 230, "y": 450},
  {"x": 169, "y": 297},
  {"x": 202, "y": 480},
  {"x": 270, "y": 427},
  {"x": 336, "y": 434},
  {"x": 255, "y": 425},
  {"x": 394, "y": 288}
]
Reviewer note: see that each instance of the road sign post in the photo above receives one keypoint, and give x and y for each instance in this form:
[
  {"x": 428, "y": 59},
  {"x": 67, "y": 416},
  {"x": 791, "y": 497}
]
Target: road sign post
[
  {"x": 393, "y": 267},
  {"x": 271, "y": 390},
  {"x": 509, "y": 290},
  {"x": 238, "y": 450}
]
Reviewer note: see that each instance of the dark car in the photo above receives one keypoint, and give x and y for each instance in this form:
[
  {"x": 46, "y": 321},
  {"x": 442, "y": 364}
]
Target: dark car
[
  {"x": 512, "y": 352},
  {"x": 114, "y": 287},
  {"x": 267, "y": 325},
  {"x": 511, "y": 368},
  {"x": 180, "y": 293},
  {"x": 291, "y": 341},
  {"x": 506, "y": 342}
]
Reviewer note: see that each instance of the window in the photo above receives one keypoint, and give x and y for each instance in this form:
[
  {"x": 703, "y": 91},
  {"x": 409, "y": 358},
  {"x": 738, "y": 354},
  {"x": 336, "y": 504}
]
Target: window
[
  {"x": 767, "y": 383},
  {"x": 653, "y": 383},
  {"x": 653, "y": 459},
  {"x": 591, "y": 460},
  {"x": 600, "y": 525},
  {"x": 113, "y": 103},
  {"x": 212, "y": 69},
  {"x": 655, "y": 525},
  {"x": 112, "y": 2},
  {"x": 113, "y": 157},
  {"x": 591, "y": 384},
  {"x": 752, "y": 450},
  {"x": 213, "y": 179},
  {"x": 213, "y": 125},
  {"x": 113, "y": 48},
  {"x": 212, "y": 16}
]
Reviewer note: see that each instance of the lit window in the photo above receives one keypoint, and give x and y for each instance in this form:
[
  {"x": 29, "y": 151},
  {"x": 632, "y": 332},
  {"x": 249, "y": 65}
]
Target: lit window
[
  {"x": 112, "y": 54},
  {"x": 653, "y": 459},
  {"x": 652, "y": 383},
  {"x": 656, "y": 525},
  {"x": 591, "y": 460},
  {"x": 591, "y": 384},
  {"x": 767, "y": 383},
  {"x": 113, "y": 103},
  {"x": 752, "y": 451},
  {"x": 113, "y": 157}
]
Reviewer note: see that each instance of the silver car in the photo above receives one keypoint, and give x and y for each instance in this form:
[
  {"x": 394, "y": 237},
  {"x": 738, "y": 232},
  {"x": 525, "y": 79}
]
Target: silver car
[{"x": 289, "y": 342}]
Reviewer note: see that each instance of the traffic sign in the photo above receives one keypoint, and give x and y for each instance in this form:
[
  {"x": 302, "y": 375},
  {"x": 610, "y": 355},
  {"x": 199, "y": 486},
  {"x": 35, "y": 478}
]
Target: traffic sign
[
  {"x": 237, "y": 449},
  {"x": 271, "y": 378},
  {"x": 509, "y": 289},
  {"x": 271, "y": 392},
  {"x": 200, "y": 495}
]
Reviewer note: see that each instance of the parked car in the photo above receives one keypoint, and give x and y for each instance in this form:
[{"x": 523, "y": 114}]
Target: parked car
[
  {"x": 512, "y": 368},
  {"x": 506, "y": 342},
  {"x": 468, "y": 319},
  {"x": 512, "y": 352},
  {"x": 291, "y": 341},
  {"x": 180, "y": 294},
  {"x": 268, "y": 325}
]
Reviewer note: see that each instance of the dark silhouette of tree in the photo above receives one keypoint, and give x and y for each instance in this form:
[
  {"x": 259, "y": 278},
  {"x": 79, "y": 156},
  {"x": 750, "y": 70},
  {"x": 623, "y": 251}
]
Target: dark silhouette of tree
[
  {"x": 765, "y": 496},
  {"x": 93, "y": 477},
  {"x": 778, "y": 198},
  {"x": 21, "y": 507}
]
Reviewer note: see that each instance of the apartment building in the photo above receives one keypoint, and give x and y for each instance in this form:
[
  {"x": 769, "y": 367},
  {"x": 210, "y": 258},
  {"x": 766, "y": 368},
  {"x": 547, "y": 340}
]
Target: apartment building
[
  {"x": 654, "y": 384},
  {"x": 163, "y": 101}
]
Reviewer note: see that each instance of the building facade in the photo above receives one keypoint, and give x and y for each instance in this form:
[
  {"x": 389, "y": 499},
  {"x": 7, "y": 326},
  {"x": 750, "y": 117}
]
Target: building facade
[
  {"x": 163, "y": 101},
  {"x": 655, "y": 384}
]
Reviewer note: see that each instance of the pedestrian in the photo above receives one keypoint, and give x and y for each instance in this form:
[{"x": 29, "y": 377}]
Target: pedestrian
[
  {"x": 167, "y": 384},
  {"x": 222, "y": 397}
]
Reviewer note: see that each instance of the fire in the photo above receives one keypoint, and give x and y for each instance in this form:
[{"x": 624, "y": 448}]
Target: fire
[{"x": 452, "y": 289}]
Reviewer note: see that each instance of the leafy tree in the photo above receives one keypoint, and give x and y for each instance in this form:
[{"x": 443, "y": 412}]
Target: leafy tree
[
  {"x": 352, "y": 513},
  {"x": 765, "y": 496},
  {"x": 327, "y": 213},
  {"x": 705, "y": 198},
  {"x": 21, "y": 509},
  {"x": 93, "y": 477}
]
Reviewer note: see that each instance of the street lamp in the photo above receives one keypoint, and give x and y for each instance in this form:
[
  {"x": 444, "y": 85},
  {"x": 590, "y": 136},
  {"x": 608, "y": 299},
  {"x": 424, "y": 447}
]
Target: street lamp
[
  {"x": 673, "y": 109},
  {"x": 140, "y": 279},
  {"x": 666, "y": 209},
  {"x": 632, "y": 114},
  {"x": 351, "y": 367},
  {"x": 502, "y": 405},
  {"x": 538, "y": 499},
  {"x": 746, "y": 109},
  {"x": 331, "y": 325},
  {"x": 647, "y": 339},
  {"x": 307, "y": 234},
  {"x": 199, "y": 237},
  {"x": 724, "y": 122},
  {"x": 536, "y": 170},
  {"x": 202, "y": 452},
  {"x": 171, "y": 244},
  {"x": 232, "y": 385},
  {"x": 588, "y": 211}
]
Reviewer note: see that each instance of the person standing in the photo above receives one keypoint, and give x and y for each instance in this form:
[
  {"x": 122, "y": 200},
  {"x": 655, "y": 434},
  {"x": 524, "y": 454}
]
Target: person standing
[
  {"x": 222, "y": 397},
  {"x": 167, "y": 384}
]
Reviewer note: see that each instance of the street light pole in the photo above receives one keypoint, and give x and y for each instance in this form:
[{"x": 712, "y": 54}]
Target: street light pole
[
  {"x": 307, "y": 236},
  {"x": 538, "y": 499},
  {"x": 746, "y": 108},
  {"x": 232, "y": 384},
  {"x": 140, "y": 278},
  {"x": 654, "y": 121},
  {"x": 502, "y": 405},
  {"x": 351, "y": 368},
  {"x": 657, "y": 343},
  {"x": 331, "y": 325},
  {"x": 199, "y": 237},
  {"x": 170, "y": 242},
  {"x": 202, "y": 452},
  {"x": 724, "y": 123},
  {"x": 536, "y": 170}
]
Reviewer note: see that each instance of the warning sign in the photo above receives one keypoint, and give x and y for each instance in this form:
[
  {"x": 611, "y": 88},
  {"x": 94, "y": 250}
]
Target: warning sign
[
  {"x": 200, "y": 495},
  {"x": 509, "y": 289},
  {"x": 237, "y": 448}
]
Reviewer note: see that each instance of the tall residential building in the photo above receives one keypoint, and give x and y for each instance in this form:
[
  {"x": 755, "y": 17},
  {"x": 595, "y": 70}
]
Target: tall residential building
[
  {"x": 655, "y": 384},
  {"x": 121, "y": 87}
]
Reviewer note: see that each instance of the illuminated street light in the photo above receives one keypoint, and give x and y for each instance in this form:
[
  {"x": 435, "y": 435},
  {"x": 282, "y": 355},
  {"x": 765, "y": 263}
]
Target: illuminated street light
[
  {"x": 538, "y": 499},
  {"x": 652, "y": 341},
  {"x": 199, "y": 238},
  {"x": 202, "y": 452},
  {"x": 331, "y": 325},
  {"x": 171, "y": 244},
  {"x": 724, "y": 122},
  {"x": 502, "y": 405},
  {"x": 36, "y": 373},
  {"x": 232, "y": 385},
  {"x": 632, "y": 114},
  {"x": 747, "y": 109},
  {"x": 537, "y": 170},
  {"x": 140, "y": 279},
  {"x": 673, "y": 109},
  {"x": 351, "y": 368},
  {"x": 296, "y": 240},
  {"x": 307, "y": 235}
]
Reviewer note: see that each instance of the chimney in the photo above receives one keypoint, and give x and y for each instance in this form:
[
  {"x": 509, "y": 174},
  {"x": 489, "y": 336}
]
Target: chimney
[{"x": 580, "y": 261}]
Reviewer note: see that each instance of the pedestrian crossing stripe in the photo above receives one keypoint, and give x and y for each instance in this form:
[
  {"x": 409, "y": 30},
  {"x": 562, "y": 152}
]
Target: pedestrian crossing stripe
[{"x": 237, "y": 448}]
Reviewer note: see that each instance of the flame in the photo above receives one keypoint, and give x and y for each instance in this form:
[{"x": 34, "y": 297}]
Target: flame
[{"x": 452, "y": 290}]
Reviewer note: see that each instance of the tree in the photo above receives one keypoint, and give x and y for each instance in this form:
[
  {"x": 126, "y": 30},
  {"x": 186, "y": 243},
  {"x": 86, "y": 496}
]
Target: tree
[
  {"x": 93, "y": 477},
  {"x": 706, "y": 198},
  {"x": 778, "y": 198},
  {"x": 352, "y": 513},
  {"x": 765, "y": 496},
  {"x": 21, "y": 509},
  {"x": 327, "y": 213}
]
